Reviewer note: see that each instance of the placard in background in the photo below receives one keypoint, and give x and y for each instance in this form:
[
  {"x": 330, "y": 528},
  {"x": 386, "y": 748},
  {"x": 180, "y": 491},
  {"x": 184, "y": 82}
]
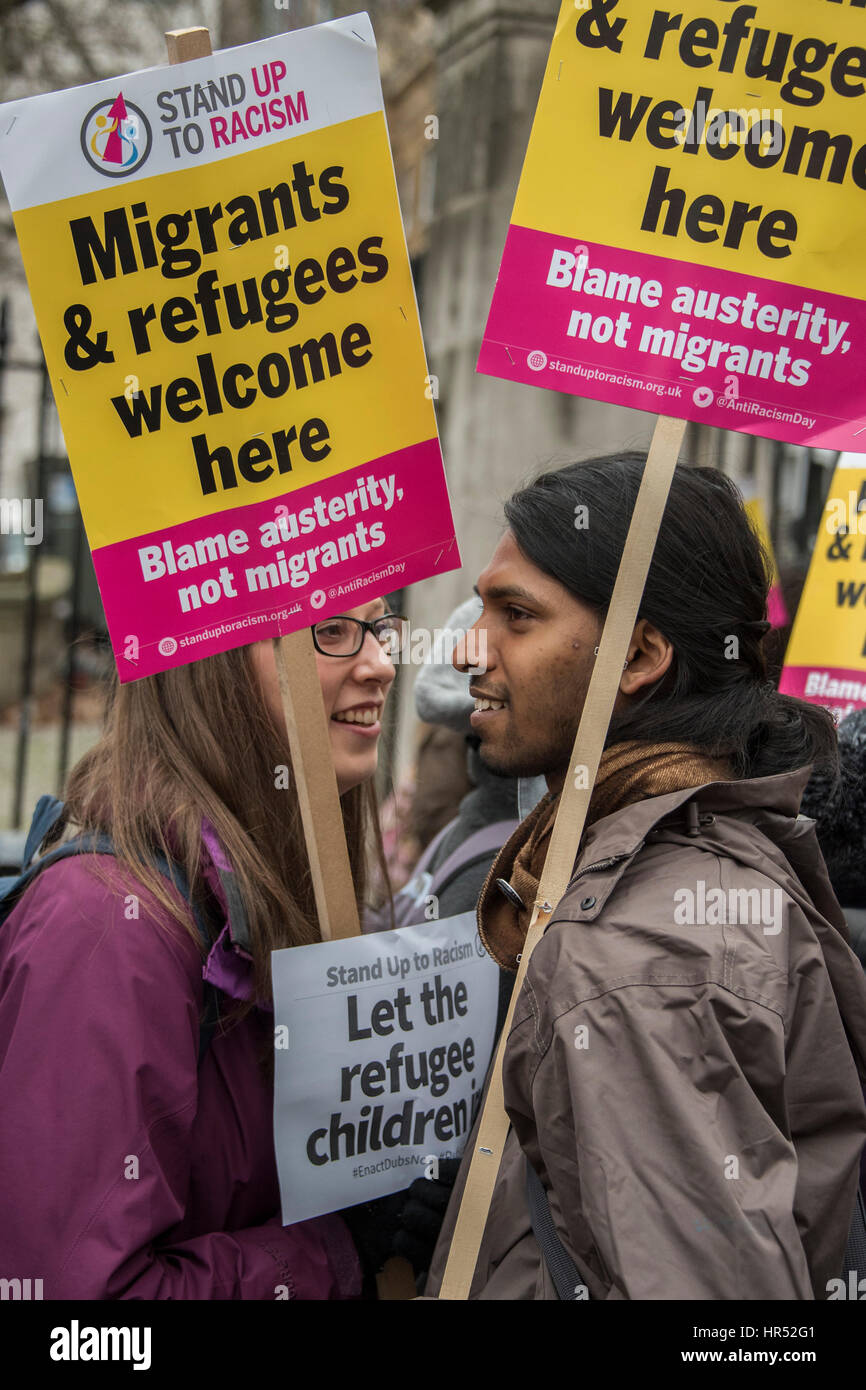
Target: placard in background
[{"x": 826, "y": 658}]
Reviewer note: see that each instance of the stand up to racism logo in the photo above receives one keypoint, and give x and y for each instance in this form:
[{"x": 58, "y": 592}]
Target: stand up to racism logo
[{"x": 115, "y": 137}]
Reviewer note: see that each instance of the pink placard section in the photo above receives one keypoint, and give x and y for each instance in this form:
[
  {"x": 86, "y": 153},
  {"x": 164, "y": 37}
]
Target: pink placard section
[
  {"x": 838, "y": 689},
  {"x": 269, "y": 568},
  {"x": 777, "y": 609},
  {"x": 724, "y": 349}
]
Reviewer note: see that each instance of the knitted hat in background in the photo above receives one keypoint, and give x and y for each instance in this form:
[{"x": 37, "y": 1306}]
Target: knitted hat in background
[
  {"x": 442, "y": 697},
  {"x": 442, "y": 693}
]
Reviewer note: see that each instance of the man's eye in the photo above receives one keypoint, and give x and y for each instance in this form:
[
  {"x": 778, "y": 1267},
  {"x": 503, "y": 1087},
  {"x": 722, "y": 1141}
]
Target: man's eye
[{"x": 516, "y": 615}]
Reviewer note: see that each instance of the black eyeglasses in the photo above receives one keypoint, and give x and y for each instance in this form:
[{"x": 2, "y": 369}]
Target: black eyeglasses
[{"x": 345, "y": 636}]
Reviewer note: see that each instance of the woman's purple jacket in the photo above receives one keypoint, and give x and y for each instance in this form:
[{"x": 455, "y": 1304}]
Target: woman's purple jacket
[{"x": 126, "y": 1171}]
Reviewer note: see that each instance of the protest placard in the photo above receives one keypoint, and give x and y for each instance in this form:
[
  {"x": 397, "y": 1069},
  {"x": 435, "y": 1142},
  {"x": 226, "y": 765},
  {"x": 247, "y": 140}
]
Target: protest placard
[
  {"x": 220, "y": 278},
  {"x": 826, "y": 658},
  {"x": 684, "y": 233},
  {"x": 382, "y": 1045}
]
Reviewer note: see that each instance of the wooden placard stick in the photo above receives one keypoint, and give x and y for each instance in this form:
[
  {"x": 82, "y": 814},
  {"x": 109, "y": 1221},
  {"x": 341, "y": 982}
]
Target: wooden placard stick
[
  {"x": 312, "y": 764},
  {"x": 185, "y": 44},
  {"x": 309, "y": 740},
  {"x": 567, "y": 830},
  {"x": 316, "y": 785}
]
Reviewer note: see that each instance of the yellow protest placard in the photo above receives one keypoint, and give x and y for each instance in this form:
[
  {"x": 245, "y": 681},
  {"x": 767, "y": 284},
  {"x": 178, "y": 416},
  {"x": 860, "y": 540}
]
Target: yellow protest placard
[
  {"x": 230, "y": 326},
  {"x": 687, "y": 232},
  {"x": 826, "y": 657}
]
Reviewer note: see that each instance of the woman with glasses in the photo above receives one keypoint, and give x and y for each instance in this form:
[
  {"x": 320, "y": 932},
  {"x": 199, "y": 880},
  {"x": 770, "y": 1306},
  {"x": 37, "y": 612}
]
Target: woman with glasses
[
  {"x": 354, "y": 659},
  {"x": 136, "y": 1162}
]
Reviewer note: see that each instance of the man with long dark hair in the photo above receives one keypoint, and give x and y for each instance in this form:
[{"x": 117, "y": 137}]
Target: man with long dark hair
[{"x": 684, "y": 1071}]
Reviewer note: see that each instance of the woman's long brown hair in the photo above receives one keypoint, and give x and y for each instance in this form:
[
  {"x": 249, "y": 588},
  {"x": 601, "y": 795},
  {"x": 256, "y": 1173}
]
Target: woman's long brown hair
[{"x": 200, "y": 741}]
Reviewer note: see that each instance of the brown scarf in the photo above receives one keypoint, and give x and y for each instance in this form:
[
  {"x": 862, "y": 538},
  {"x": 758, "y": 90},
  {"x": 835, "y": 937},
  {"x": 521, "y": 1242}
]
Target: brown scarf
[{"x": 627, "y": 773}]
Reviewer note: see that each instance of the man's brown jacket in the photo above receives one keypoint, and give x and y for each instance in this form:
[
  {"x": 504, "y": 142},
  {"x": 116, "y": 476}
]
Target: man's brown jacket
[{"x": 686, "y": 1061}]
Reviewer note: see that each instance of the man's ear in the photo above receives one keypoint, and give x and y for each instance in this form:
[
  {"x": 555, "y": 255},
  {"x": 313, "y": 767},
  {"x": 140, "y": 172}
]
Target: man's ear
[{"x": 649, "y": 657}]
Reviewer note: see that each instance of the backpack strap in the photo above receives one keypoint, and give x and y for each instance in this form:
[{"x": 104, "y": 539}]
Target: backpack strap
[
  {"x": 423, "y": 865},
  {"x": 481, "y": 845},
  {"x": 210, "y": 1018},
  {"x": 561, "y": 1267},
  {"x": 240, "y": 930},
  {"x": 409, "y": 902},
  {"x": 46, "y": 815},
  {"x": 48, "y": 811}
]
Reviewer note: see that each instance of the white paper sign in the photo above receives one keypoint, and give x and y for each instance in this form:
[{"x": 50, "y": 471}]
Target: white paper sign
[
  {"x": 382, "y": 1043},
  {"x": 318, "y": 67}
]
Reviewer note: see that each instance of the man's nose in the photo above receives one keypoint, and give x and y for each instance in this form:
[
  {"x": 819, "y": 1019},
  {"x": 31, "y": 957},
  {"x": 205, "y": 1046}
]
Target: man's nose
[{"x": 471, "y": 651}]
